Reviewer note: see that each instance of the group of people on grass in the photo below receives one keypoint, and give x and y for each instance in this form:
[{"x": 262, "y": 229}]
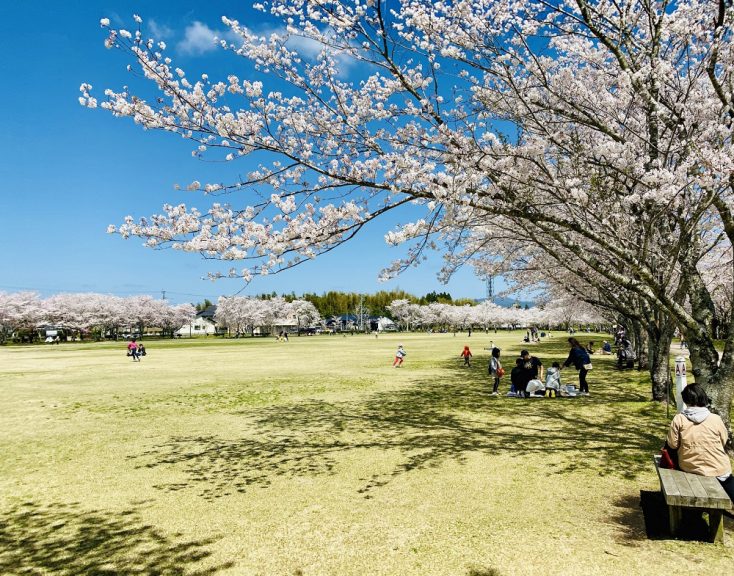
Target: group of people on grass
[
  {"x": 697, "y": 436},
  {"x": 527, "y": 375}
]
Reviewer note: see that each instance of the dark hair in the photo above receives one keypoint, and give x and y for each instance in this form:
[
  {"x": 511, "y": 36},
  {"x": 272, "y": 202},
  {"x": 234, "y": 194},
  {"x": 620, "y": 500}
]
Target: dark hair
[
  {"x": 496, "y": 352},
  {"x": 574, "y": 343},
  {"x": 556, "y": 365},
  {"x": 695, "y": 395},
  {"x": 519, "y": 362},
  {"x": 524, "y": 352}
]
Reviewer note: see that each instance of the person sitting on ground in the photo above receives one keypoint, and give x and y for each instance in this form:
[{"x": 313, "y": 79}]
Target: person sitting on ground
[
  {"x": 533, "y": 366},
  {"x": 466, "y": 355},
  {"x": 553, "y": 380},
  {"x": 625, "y": 355},
  {"x": 606, "y": 347},
  {"x": 518, "y": 379},
  {"x": 700, "y": 437},
  {"x": 141, "y": 350},
  {"x": 590, "y": 348},
  {"x": 535, "y": 388}
]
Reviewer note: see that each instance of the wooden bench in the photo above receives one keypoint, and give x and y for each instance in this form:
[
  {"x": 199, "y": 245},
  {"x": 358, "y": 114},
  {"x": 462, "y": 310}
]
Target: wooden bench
[{"x": 691, "y": 491}]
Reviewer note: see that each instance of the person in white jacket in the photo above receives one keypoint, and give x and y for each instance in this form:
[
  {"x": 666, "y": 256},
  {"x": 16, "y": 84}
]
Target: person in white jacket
[{"x": 553, "y": 380}]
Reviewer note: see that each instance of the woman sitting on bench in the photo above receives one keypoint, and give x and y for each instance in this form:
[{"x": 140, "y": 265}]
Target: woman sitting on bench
[{"x": 700, "y": 436}]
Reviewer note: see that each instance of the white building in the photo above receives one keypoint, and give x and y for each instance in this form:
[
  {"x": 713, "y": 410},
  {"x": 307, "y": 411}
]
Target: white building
[
  {"x": 384, "y": 324},
  {"x": 203, "y": 324},
  {"x": 279, "y": 325}
]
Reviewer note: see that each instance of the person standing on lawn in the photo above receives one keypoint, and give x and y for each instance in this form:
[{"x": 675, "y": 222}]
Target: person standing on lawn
[
  {"x": 466, "y": 354},
  {"x": 495, "y": 370},
  {"x": 579, "y": 357}
]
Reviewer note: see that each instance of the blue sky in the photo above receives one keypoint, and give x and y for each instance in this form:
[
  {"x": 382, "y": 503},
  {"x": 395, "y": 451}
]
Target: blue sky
[{"x": 68, "y": 172}]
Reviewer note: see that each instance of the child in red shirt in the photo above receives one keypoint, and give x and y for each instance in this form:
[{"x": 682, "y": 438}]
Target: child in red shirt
[{"x": 466, "y": 353}]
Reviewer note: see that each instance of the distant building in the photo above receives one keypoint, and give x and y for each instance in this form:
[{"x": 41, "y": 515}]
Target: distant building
[
  {"x": 203, "y": 324},
  {"x": 383, "y": 324},
  {"x": 289, "y": 325}
]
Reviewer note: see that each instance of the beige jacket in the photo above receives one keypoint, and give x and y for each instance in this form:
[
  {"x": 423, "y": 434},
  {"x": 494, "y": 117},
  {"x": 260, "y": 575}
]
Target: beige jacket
[{"x": 700, "y": 446}]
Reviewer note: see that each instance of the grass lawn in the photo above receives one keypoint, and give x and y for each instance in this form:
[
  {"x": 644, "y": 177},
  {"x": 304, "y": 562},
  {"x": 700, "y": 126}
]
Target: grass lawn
[{"x": 315, "y": 457}]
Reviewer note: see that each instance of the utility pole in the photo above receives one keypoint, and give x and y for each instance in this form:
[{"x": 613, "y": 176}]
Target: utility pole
[
  {"x": 164, "y": 294},
  {"x": 361, "y": 313}
]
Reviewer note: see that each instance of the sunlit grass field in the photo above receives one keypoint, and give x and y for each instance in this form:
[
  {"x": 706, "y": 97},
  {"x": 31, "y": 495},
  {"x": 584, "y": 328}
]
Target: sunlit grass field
[{"x": 315, "y": 457}]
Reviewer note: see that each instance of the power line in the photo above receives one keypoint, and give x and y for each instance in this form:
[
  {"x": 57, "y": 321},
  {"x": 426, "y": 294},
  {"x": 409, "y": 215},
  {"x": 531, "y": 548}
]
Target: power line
[{"x": 98, "y": 291}]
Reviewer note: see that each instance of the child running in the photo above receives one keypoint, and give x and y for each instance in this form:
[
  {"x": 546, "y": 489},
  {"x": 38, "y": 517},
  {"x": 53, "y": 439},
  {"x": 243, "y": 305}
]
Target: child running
[
  {"x": 466, "y": 354},
  {"x": 132, "y": 350},
  {"x": 399, "y": 355}
]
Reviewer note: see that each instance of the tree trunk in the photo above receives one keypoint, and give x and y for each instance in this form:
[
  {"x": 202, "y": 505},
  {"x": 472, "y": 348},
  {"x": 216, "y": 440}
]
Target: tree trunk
[
  {"x": 640, "y": 335},
  {"x": 720, "y": 391},
  {"x": 659, "y": 347}
]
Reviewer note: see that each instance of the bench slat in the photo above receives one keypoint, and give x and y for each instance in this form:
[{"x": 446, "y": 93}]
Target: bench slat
[
  {"x": 691, "y": 490},
  {"x": 699, "y": 491},
  {"x": 712, "y": 486},
  {"x": 685, "y": 494}
]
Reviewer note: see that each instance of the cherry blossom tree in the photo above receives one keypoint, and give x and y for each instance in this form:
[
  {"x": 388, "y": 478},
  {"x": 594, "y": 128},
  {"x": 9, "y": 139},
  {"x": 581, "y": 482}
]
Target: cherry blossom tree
[
  {"x": 601, "y": 131},
  {"x": 405, "y": 312},
  {"x": 245, "y": 314},
  {"x": 19, "y": 311},
  {"x": 304, "y": 312},
  {"x": 170, "y": 318}
]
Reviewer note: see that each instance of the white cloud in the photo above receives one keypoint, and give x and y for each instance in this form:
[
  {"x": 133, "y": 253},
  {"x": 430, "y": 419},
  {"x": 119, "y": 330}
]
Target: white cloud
[
  {"x": 309, "y": 48},
  {"x": 159, "y": 31},
  {"x": 198, "y": 39},
  {"x": 306, "y": 47}
]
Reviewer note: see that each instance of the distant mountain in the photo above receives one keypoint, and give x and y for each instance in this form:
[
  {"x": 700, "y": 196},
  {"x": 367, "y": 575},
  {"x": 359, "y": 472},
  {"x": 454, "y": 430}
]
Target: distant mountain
[{"x": 507, "y": 302}]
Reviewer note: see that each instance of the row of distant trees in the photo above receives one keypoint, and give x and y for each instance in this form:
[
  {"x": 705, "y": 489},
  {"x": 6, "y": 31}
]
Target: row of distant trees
[
  {"x": 242, "y": 315},
  {"x": 99, "y": 315},
  {"x": 559, "y": 314},
  {"x": 335, "y": 303},
  {"x": 88, "y": 314}
]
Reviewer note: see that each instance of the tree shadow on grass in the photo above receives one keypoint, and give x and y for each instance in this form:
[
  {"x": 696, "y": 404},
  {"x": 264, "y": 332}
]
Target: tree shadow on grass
[
  {"x": 429, "y": 422},
  {"x": 645, "y": 517},
  {"x": 66, "y": 539}
]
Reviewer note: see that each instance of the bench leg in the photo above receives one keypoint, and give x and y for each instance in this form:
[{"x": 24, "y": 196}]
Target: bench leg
[
  {"x": 674, "y": 518},
  {"x": 716, "y": 526}
]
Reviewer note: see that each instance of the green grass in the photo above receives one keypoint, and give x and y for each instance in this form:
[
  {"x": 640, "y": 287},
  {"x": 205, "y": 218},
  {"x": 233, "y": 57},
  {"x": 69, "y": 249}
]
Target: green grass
[{"x": 316, "y": 457}]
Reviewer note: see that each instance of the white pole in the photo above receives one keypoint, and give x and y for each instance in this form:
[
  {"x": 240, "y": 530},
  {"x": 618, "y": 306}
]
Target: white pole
[{"x": 680, "y": 381}]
